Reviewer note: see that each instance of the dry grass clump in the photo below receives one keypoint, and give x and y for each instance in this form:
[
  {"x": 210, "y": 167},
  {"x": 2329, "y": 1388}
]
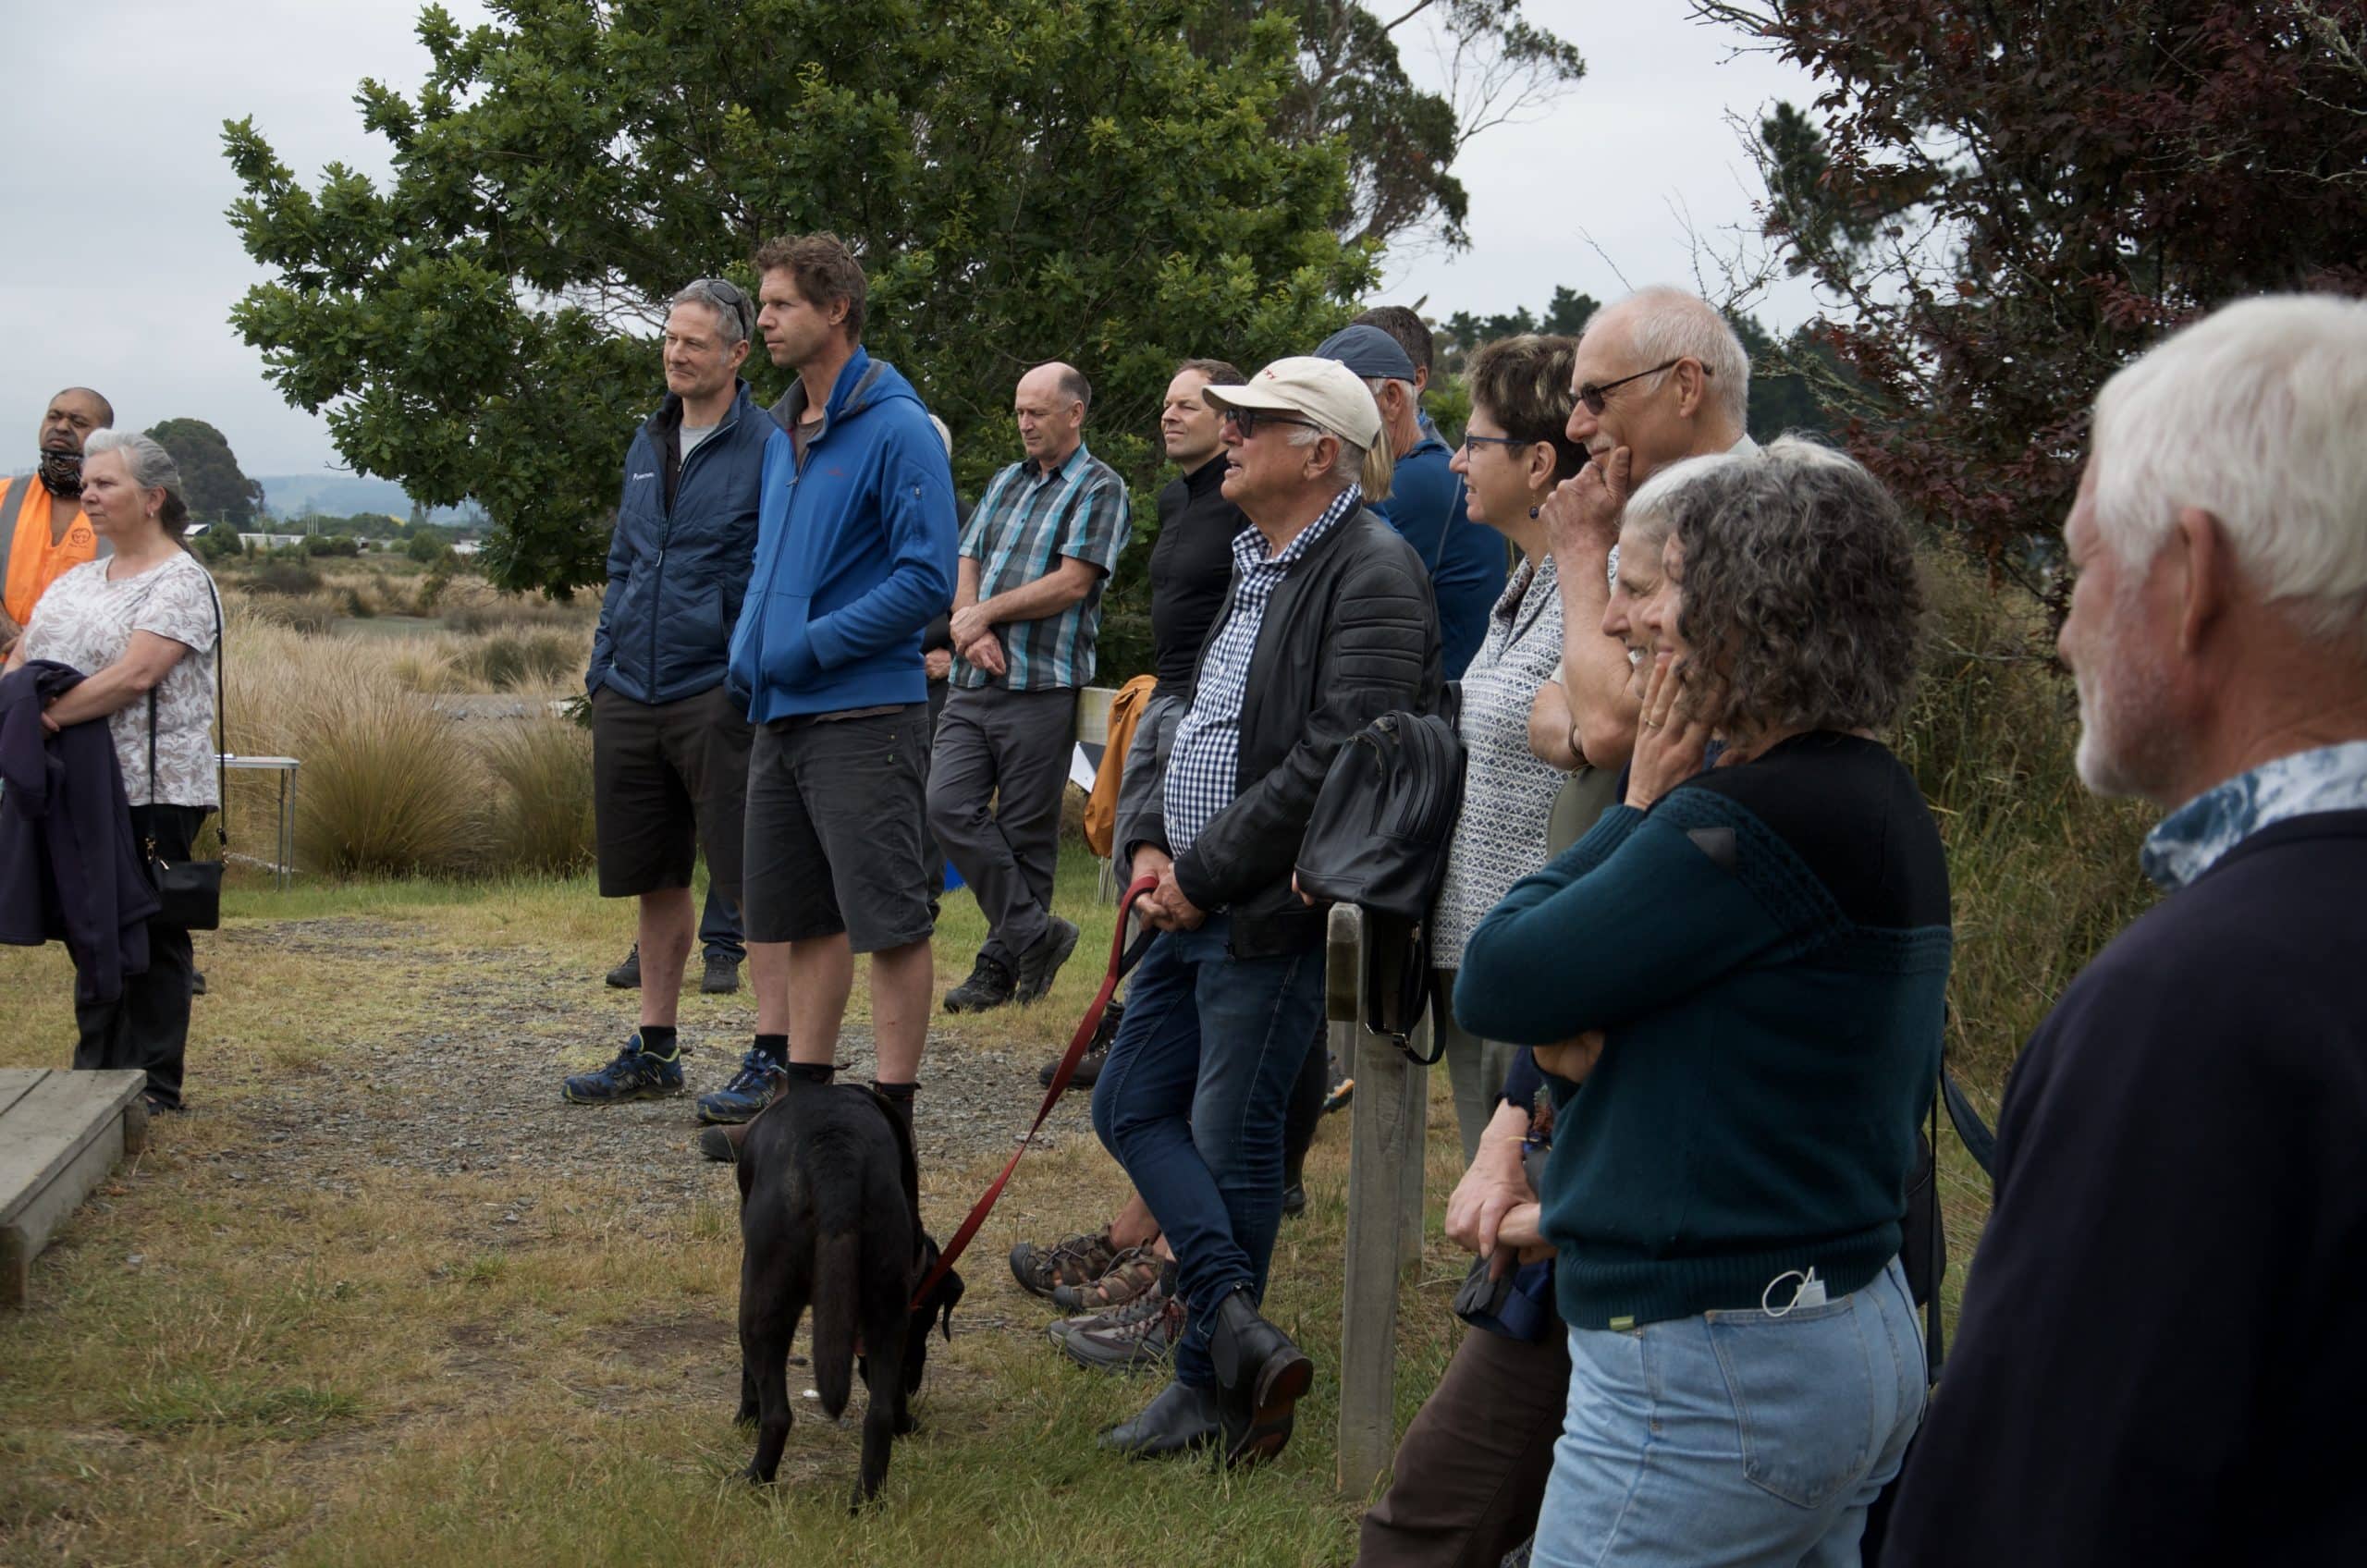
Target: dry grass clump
[
  {"x": 472, "y": 607},
  {"x": 539, "y": 817},
  {"x": 513, "y": 661},
  {"x": 315, "y": 615},
  {"x": 2042, "y": 874},
  {"x": 390, "y": 787}
]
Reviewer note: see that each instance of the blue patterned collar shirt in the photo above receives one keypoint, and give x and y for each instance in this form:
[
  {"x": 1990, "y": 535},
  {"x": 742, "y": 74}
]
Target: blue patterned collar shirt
[
  {"x": 1204, "y": 760},
  {"x": 1023, "y": 524},
  {"x": 2192, "y": 838}
]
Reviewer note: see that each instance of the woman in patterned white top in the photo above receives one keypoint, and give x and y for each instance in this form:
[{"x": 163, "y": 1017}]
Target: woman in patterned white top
[
  {"x": 139, "y": 624},
  {"x": 1516, "y": 448}
]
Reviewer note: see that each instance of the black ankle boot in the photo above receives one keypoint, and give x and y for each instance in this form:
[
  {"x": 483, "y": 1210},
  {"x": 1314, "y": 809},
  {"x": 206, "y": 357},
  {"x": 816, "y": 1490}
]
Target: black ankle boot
[
  {"x": 1264, "y": 1375},
  {"x": 1181, "y": 1419}
]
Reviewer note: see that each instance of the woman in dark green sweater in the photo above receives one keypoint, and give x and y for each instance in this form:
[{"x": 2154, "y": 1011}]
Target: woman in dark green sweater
[{"x": 1745, "y": 972}]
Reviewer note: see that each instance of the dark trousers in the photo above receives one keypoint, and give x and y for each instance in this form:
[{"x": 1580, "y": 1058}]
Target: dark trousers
[
  {"x": 719, "y": 927},
  {"x": 147, "y": 1027},
  {"x": 933, "y": 852},
  {"x": 1191, "y": 1102},
  {"x": 1470, "y": 1475},
  {"x": 996, "y": 770}
]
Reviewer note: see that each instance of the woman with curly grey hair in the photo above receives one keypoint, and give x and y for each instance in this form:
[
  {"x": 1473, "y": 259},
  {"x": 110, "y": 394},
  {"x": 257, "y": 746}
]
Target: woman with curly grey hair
[{"x": 1747, "y": 966}]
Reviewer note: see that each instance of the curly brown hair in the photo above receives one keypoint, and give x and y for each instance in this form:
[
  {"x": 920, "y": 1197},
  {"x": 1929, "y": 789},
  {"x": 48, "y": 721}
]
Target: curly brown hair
[
  {"x": 824, "y": 270},
  {"x": 1800, "y": 595}
]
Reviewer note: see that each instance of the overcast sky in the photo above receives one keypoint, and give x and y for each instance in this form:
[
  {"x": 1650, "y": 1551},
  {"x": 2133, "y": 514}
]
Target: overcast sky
[{"x": 121, "y": 271}]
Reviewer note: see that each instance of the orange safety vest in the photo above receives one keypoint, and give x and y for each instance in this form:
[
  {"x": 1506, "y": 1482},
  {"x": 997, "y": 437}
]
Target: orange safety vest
[{"x": 30, "y": 562}]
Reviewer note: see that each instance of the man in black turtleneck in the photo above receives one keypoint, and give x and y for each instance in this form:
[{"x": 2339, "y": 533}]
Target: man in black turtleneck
[{"x": 1191, "y": 567}]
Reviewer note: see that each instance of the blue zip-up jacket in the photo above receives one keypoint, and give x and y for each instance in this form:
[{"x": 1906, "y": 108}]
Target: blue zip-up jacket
[
  {"x": 1467, "y": 559},
  {"x": 677, "y": 575},
  {"x": 855, "y": 546}
]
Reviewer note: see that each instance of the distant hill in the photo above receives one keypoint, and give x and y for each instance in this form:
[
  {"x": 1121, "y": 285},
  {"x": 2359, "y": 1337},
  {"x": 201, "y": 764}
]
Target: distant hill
[{"x": 341, "y": 495}]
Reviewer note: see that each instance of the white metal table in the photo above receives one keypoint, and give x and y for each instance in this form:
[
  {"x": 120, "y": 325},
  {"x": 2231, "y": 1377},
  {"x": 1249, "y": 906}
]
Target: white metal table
[{"x": 284, "y": 848}]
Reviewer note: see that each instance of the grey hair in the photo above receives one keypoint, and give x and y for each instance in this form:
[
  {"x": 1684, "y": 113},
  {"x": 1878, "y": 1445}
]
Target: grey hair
[
  {"x": 736, "y": 326},
  {"x": 1669, "y": 323},
  {"x": 150, "y": 467},
  {"x": 1799, "y": 595},
  {"x": 944, "y": 432},
  {"x": 1371, "y": 468}
]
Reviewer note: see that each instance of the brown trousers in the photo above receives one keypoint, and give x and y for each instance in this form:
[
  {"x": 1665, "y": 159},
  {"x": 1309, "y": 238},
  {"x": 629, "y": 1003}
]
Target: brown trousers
[{"x": 1471, "y": 1473}]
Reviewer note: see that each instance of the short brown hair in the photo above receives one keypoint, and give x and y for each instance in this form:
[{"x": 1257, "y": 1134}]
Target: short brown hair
[
  {"x": 824, "y": 270},
  {"x": 1524, "y": 383},
  {"x": 1220, "y": 373}
]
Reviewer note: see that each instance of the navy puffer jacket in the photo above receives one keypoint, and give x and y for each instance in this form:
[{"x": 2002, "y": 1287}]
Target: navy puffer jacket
[{"x": 677, "y": 576}]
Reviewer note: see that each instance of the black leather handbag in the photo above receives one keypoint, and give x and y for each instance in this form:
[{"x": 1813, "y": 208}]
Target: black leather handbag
[{"x": 190, "y": 891}]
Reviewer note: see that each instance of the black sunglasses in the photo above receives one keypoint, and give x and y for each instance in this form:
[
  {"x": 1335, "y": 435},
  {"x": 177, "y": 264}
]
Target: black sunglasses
[
  {"x": 1595, "y": 397},
  {"x": 1470, "y": 442},
  {"x": 733, "y": 298},
  {"x": 1246, "y": 420}
]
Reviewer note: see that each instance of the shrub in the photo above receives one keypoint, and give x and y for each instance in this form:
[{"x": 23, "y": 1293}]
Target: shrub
[
  {"x": 427, "y": 549},
  {"x": 540, "y": 815},
  {"x": 514, "y": 661},
  {"x": 284, "y": 577},
  {"x": 311, "y": 614}
]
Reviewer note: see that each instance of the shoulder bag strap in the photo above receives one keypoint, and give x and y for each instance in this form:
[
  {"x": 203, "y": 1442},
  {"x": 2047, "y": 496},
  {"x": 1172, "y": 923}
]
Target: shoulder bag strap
[
  {"x": 10, "y": 511},
  {"x": 221, "y": 722}
]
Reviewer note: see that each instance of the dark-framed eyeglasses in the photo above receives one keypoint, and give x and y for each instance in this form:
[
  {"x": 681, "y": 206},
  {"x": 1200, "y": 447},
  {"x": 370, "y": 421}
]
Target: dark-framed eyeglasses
[
  {"x": 1247, "y": 420},
  {"x": 1472, "y": 443},
  {"x": 1595, "y": 397}
]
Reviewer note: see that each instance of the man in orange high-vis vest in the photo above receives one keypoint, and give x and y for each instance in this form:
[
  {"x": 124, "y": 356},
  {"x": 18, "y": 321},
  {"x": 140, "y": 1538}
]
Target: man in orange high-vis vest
[{"x": 43, "y": 531}]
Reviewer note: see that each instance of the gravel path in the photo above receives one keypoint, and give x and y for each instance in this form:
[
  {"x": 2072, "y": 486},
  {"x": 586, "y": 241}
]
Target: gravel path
[{"x": 473, "y": 1087}]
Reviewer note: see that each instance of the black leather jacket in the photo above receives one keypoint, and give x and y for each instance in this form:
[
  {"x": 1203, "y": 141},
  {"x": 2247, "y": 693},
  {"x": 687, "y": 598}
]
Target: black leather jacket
[{"x": 1351, "y": 633}]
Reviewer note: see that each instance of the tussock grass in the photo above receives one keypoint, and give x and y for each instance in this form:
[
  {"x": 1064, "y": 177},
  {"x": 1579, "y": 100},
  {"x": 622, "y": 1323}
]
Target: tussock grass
[
  {"x": 540, "y": 816},
  {"x": 512, "y": 661}
]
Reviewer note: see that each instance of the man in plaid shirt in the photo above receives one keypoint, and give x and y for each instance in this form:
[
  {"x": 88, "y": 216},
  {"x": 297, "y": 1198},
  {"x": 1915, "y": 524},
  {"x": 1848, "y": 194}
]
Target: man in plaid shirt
[{"x": 1035, "y": 555}]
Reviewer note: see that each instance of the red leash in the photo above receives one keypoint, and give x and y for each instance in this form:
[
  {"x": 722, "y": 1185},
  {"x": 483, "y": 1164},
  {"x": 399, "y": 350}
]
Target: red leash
[{"x": 1120, "y": 960}]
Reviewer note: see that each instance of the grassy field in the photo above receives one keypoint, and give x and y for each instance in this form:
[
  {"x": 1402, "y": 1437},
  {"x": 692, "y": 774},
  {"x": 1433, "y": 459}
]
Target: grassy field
[{"x": 224, "y": 1365}]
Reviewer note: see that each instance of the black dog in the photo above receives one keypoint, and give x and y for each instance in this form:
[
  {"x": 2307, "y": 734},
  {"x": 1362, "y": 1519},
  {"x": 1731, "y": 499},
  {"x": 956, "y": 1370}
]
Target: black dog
[{"x": 829, "y": 1215}]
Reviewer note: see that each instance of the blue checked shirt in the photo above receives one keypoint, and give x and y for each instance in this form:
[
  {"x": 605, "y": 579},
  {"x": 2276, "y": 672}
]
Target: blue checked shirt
[
  {"x": 1023, "y": 524},
  {"x": 1203, "y": 761}
]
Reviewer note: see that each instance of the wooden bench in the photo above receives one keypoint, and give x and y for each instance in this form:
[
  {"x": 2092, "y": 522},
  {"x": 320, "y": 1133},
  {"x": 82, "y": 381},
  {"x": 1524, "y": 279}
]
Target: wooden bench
[{"x": 60, "y": 1134}]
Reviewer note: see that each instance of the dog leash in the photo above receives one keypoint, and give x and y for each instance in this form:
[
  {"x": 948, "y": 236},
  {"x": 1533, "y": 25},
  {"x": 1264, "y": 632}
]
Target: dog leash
[{"x": 1121, "y": 959}]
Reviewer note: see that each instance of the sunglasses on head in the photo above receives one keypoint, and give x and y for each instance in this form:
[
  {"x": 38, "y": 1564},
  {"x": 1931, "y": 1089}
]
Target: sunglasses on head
[
  {"x": 1595, "y": 398},
  {"x": 731, "y": 298},
  {"x": 1247, "y": 420}
]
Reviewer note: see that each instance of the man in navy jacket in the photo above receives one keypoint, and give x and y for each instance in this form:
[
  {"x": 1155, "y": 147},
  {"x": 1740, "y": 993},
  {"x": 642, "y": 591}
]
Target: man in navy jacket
[
  {"x": 2159, "y": 1361},
  {"x": 855, "y": 558},
  {"x": 669, "y": 746}
]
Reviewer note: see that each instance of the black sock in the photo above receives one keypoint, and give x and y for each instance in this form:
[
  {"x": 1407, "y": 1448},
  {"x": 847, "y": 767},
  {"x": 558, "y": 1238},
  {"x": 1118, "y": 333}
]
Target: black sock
[
  {"x": 773, "y": 1048},
  {"x": 902, "y": 1093},
  {"x": 810, "y": 1072},
  {"x": 657, "y": 1040}
]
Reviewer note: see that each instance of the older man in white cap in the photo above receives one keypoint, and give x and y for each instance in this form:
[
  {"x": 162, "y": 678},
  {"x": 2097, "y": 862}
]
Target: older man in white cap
[
  {"x": 2159, "y": 1362},
  {"x": 1330, "y": 625}
]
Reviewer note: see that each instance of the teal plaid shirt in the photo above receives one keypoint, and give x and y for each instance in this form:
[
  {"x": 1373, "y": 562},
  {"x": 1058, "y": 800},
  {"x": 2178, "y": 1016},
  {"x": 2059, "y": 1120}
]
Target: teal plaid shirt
[{"x": 1024, "y": 522}]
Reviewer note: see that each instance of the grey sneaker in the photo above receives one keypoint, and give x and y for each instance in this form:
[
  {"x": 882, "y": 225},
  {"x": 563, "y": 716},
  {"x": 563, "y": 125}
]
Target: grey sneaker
[
  {"x": 1141, "y": 1333},
  {"x": 1040, "y": 964}
]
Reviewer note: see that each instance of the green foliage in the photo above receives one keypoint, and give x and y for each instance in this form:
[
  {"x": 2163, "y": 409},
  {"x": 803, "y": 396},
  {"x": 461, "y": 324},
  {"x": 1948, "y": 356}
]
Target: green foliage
[
  {"x": 212, "y": 481},
  {"x": 1564, "y": 316},
  {"x": 1023, "y": 182},
  {"x": 426, "y": 548},
  {"x": 338, "y": 545},
  {"x": 218, "y": 545}
]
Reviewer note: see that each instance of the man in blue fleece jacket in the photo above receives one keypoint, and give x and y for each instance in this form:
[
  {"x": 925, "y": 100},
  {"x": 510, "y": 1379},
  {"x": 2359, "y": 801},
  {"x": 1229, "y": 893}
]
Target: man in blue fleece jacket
[{"x": 855, "y": 557}]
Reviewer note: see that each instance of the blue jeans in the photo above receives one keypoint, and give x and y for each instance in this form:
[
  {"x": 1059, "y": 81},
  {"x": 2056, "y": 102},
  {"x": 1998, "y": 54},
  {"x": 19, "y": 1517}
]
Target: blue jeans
[
  {"x": 1734, "y": 1437},
  {"x": 1191, "y": 1103}
]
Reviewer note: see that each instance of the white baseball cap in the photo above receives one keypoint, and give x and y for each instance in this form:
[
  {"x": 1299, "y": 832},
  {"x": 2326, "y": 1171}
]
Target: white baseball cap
[{"x": 1326, "y": 392}]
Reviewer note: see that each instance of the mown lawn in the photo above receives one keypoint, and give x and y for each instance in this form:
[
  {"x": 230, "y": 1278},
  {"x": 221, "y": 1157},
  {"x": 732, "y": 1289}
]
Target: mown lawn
[{"x": 226, "y": 1363}]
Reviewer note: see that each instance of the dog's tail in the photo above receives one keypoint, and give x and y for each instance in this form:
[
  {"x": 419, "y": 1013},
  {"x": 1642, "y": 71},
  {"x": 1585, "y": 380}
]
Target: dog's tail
[{"x": 838, "y": 1293}]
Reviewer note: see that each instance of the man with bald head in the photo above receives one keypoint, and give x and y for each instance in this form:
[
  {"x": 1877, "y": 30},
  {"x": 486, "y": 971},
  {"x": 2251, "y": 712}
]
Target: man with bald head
[
  {"x": 1659, "y": 377},
  {"x": 43, "y": 531},
  {"x": 1026, "y": 610}
]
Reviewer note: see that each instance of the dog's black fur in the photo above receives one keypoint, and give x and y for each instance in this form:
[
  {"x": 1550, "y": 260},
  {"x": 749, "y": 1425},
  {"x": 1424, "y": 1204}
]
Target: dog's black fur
[{"x": 829, "y": 1215}]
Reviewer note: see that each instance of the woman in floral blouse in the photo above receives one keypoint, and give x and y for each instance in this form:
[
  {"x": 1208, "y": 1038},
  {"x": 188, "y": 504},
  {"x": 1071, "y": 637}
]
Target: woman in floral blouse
[{"x": 141, "y": 623}]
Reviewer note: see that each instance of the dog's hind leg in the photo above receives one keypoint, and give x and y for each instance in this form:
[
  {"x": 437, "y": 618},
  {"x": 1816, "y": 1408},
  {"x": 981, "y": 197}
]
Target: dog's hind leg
[
  {"x": 769, "y": 1312},
  {"x": 883, "y": 1415}
]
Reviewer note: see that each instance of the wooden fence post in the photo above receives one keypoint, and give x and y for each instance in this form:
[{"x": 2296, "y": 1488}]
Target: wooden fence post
[{"x": 1384, "y": 1141}]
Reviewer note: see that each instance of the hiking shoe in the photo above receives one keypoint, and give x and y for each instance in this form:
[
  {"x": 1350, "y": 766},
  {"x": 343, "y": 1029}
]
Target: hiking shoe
[
  {"x": 634, "y": 1075},
  {"x": 626, "y": 976},
  {"x": 1130, "y": 1273},
  {"x": 991, "y": 985},
  {"x": 1088, "y": 1066},
  {"x": 716, "y": 1143},
  {"x": 751, "y": 1089},
  {"x": 1142, "y": 1333},
  {"x": 1072, "y": 1260},
  {"x": 1295, "y": 1198},
  {"x": 1041, "y": 963},
  {"x": 197, "y": 981},
  {"x": 722, "y": 976}
]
